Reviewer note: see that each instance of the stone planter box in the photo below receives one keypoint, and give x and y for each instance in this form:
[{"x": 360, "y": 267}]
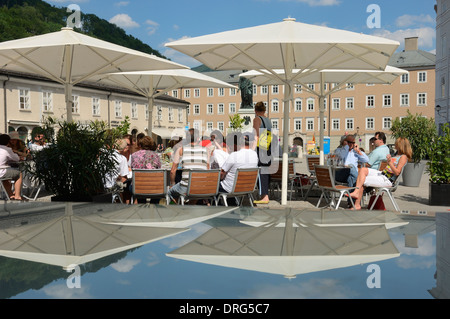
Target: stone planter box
[{"x": 439, "y": 194}]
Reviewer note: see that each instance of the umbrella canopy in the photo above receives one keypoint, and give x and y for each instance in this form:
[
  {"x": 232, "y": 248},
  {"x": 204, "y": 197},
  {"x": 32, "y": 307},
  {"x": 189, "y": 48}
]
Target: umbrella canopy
[
  {"x": 289, "y": 251},
  {"x": 288, "y": 45},
  {"x": 71, "y": 240},
  {"x": 158, "y": 82},
  {"x": 172, "y": 216},
  {"x": 69, "y": 57}
]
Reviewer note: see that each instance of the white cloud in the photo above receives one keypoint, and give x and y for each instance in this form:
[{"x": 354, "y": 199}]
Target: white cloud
[
  {"x": 122, "y": 4},
  {"x": 60, "y": 291},
  {"x": 407, "y": 20},
  {"x": 152, "y": 27},
  {"x": 125, "y": 265},
  {"x": 317, "y": 3},
  {"x": 426, "y": 36},
  {"x": 124, "y": 21}
]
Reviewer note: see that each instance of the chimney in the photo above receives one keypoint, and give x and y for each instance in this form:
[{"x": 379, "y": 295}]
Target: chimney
[{"x": 412, "y": 44}]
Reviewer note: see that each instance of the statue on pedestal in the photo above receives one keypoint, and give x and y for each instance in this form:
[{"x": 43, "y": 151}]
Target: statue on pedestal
[{"x": 246, "y": 88}]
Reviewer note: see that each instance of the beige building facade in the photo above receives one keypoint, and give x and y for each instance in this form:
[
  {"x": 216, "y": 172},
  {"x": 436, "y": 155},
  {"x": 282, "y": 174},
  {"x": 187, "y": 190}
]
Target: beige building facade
[
  {"x": 361, "y": 109},
  {"x": 26, "y": 100}
]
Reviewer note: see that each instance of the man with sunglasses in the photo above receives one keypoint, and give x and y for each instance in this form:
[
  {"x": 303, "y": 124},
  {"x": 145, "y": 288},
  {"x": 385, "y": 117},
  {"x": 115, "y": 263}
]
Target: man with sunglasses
[
  {"x": 380, "y": 152},
  {"x": 351, "y": 156}
]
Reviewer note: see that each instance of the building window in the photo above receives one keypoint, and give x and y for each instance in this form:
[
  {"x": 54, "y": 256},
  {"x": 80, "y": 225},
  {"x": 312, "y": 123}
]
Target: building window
[
  {"x": 421, "y": 99},
  {"x": 196, "y": 109},
  {"x": 298, "y": 124},
  {"x": 274, "y": 124},
  {"x": 370, "y": 101},
  {"x": 232, "y": 108},
  {"x": 196, "y": 93},
  {"x": 134, "y": 110},
  {"x": 170, "y": 114},
  {"x": 370, "y": 123},
  {"x": 422, "y": 77},
  {"x": 349, "y": 124},
  {"x": 350, "y": 86},
  {"x": 311, "y": 86},
  {"x": 387, "y": 123},
  {"x": 387, "y": 100},
  {"x": 336, "y": 104},
  {"x": 264, "y": 89},
  {"x": 175, "y": 93},
  {"x": 220, "y": 108},
  {"x": 298, "y": 88},
  {"x": 404, "y": 99},
  {"x": 349, "y": 103},
  {"x": 310, "y": 124},
  {"x": 324, "y": 123},
  {"x": 255, "y": 89},
  {"x": 24, "y": 99},
  {"x": 220, "y": 126},
  {"x": 336, "y": 124},
  {"x": 76, "y": 104},
  {"x": 210, "y": 92},
  {"x": 180, "y": 115},
  {"x": 232, "y": 92},
  {"x": 47, "y": 101},
  {"x": 275, "y": 89},
  {"x": 404, "y": 78},
  {"x": 221, "y": 92},
  {"x": 310, "y": 105},
  {"x": 275, "y": 106},
  {"x": 298, "y": 105},
  {"x": 118, "y": 108},
  {"x": 187, "y": 93},
  {"x": 210, "y": 109},
  {"x": 209, "y": 126},
  {"x": 95, "y": 106},
  {"x": 159, "y": 111}
]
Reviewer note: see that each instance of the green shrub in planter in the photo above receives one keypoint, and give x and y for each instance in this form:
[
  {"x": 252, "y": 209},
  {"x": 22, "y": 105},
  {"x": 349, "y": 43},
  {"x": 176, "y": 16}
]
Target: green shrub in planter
[
  {"x": 439, "y": 164},
  {"x": 420, "y": 131},
  {"x": 77, "y": 159}
]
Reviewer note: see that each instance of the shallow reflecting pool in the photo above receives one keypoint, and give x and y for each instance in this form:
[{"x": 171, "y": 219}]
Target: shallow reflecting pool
[{"x": 50, "y": 250}]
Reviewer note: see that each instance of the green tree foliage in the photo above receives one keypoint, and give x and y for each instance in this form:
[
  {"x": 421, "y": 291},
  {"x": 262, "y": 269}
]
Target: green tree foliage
[{"x": 25, "y": 18}]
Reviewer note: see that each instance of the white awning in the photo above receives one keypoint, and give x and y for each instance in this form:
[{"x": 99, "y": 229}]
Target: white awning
[{"x": 163, "y": 132}]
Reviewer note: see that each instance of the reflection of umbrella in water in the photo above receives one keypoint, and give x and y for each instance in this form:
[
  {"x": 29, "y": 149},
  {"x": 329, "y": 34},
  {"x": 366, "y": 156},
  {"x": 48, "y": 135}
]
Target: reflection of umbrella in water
[
  {"x": 150, "y": 215},
  {"x": 324, "y": 218},
  {"x": 73, "y": 240},
  {"x": 289, "y": 250}
]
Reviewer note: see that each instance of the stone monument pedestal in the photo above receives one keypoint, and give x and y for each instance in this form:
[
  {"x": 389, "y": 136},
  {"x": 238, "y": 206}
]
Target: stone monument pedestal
[{"x": 247, "y": 114}]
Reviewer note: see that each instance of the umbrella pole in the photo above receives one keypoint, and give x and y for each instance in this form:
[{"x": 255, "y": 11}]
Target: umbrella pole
[
  {"x": 150, "y": 117},
  {"x": 321, "y": 119},
  {"x": 69, "y": 102},
  {"x": 285, "y": 164}
]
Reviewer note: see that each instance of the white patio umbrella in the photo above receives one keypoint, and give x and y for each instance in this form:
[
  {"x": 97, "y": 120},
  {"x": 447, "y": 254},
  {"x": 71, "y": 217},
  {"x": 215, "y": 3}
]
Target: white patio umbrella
[
  {"x": 72, "y": 239},
  {"x": 289, "y": 251},
  {"x": 172, "y": 216},
  {"x": 152, "y": 84},
  {"x": 340, "y": 78},
  {"x": 69, "y": 57},
  {"x": 288, "y": 45}
]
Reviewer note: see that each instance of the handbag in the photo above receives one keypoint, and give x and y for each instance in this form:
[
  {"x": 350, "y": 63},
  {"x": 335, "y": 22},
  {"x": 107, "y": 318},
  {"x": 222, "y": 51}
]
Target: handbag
[
  {"x": 265, "y": 138},
  {"x": 379, "y": 204}
]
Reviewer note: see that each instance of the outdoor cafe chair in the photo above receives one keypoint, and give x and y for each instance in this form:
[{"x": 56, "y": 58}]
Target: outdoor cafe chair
[
  {"x": 311, "y": 161},
  {"x": 202, "y": 184},
  {"x": 276, "y": 179},
  {"x": 244, "y": 184},
  {"x": 3, "y": 189},
  {"x": 325, "y": 182},
  {"x": 150, "y": 183}
]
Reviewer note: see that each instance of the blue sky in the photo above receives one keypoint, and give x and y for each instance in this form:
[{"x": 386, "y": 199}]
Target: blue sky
[{"x": 157, "y": 22}]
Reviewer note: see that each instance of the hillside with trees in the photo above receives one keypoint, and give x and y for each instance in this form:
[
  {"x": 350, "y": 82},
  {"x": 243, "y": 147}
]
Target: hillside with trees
[{"x": 25, "y": 18}]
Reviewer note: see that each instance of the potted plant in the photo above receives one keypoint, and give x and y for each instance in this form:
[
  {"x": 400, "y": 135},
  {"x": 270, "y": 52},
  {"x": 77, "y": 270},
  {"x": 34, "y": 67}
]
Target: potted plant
[
  {"x": 76, "y": 160},
  {"x": 439, "y": 169},
  {"x": 421, "y": 132}
]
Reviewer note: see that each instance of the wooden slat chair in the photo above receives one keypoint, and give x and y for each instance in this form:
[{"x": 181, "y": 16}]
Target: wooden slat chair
[
  {"x": 3, "y": 188},
  {"x": 150, "y": 183},
  {"x": 202, "y": 184},
  {"x": 244, "y": 185},
  {"x": 311, "y": 161},
  {"x": 325, "y": 182},
  {"x": 277, "y": 178}
]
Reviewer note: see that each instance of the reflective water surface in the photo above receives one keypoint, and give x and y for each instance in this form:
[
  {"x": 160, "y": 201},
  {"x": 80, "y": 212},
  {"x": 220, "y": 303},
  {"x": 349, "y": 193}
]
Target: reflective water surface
[{"x": 90, "y": 250}]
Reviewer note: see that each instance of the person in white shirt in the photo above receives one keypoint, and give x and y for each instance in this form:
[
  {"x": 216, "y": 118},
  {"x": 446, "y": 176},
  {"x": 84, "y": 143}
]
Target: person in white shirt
[
  {"x": 7, "y": 156},
  {"x": 119, "y": 175},
  {"x": 39, "y": 140},
  {"x": 244, "y": 157}
]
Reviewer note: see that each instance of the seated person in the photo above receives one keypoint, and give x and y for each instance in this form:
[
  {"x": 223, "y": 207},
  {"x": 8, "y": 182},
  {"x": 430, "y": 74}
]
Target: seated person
[
  {"x": 118, "y": 176},
  {"x": 219, "y": 153},
  {"x": 352, "y": 156},
  {"x": 387, "y": 177},
  {"x": 244, "y": 157},
  {"x": 380, "y": 150},
  {"x": 8, "y": 158},
  {"x": 190, "y": 156}
]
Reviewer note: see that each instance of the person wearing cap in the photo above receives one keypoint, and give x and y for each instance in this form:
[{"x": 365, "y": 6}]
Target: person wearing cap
[
  {"x": 243, "y": 157},
  {"x": 352, "y": 156}
]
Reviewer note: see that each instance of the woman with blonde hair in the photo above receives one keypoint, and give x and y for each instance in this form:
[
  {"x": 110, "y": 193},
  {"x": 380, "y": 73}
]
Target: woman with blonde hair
[{"x": 387, "y": 177}]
